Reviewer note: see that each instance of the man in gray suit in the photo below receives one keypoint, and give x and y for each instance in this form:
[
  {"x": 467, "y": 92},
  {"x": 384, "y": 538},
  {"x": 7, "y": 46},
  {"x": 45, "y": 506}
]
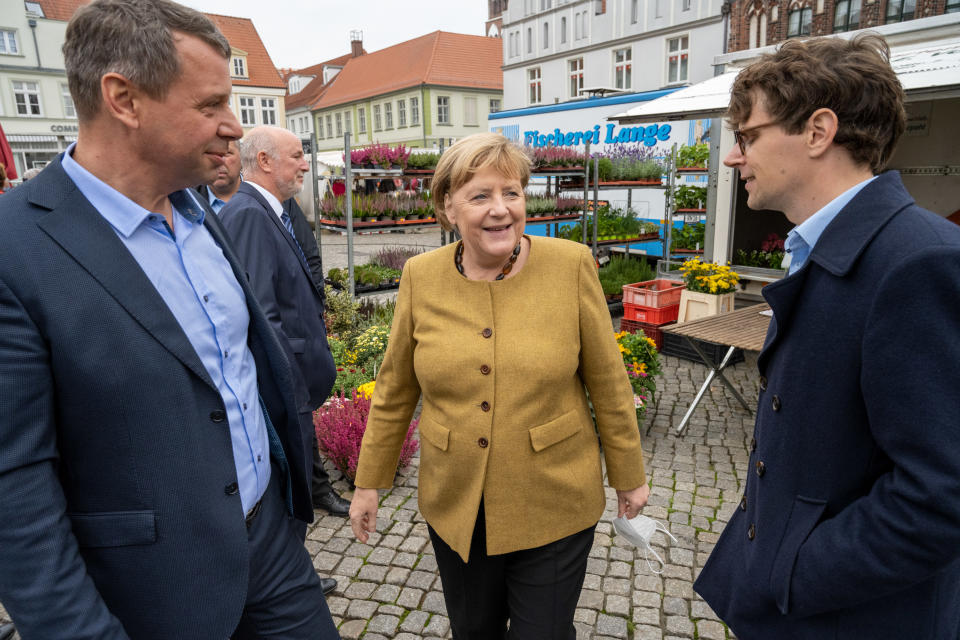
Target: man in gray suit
[
  {"x": 262, "y": 231},
  {"x": 153, "y": 468}
]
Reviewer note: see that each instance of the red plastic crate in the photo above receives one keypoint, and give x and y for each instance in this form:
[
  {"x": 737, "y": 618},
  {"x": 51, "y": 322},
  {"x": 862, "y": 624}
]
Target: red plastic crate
[
  {"x": 651, "y": 315},
  {"x": 651, "y": 331},
  {"x": 653, "y": 293}
]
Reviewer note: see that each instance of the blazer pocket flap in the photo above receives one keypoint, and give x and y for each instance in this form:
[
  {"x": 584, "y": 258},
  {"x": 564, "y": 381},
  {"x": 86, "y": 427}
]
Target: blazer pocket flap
[
  {"x": 298, "y": 345},
  {"x": 550, "y": 433},
  {"x": 435, "y": 434},
  {"x": 804, "y": 517},
  {"x": 114, "y": 529}
]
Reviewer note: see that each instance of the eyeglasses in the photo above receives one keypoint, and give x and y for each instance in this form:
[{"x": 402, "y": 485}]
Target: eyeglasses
[{"x": 739, "y": 133}]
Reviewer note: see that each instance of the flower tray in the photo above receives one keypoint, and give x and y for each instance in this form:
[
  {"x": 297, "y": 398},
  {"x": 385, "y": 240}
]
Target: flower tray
[
  {"x": 631, "y": 183},
  {"x": 651, "y": 315},
  {"x": 652, "y": 331},
  {"x": 653, "y": 293}
]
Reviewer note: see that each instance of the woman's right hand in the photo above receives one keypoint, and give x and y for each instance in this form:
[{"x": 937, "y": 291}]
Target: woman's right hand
[{"x": 363, "y": 513}]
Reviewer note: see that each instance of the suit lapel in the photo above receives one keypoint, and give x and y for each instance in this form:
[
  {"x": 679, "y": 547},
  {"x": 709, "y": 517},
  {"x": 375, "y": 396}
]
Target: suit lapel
[{"x": 83, "y": 233}]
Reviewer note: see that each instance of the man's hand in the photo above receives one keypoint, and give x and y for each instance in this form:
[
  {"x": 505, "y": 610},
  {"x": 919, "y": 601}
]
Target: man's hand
[{"x": 363, "y": 513}]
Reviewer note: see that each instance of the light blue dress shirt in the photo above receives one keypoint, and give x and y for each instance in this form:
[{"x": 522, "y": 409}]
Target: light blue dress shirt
[
  {"x": 803, "y": 237},
  {"x": 191, "y": 274},
  {"x": 215, "y": 203}
]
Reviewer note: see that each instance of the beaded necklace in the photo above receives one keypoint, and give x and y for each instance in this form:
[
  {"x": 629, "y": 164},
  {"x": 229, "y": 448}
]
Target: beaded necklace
[{"x": 507, "y": 268}]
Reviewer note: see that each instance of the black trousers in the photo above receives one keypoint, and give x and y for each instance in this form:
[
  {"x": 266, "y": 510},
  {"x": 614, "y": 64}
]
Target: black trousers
[
  {"x": 319, "y": 479},
  {"x": 535, "y": 589}
]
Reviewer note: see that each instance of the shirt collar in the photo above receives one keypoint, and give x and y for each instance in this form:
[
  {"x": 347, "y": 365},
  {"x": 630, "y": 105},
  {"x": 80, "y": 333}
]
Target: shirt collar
[
  {"x": 271, "y": 199},
  {"x": 811, "y": 229},
  {"x": 121, "y": 212}
]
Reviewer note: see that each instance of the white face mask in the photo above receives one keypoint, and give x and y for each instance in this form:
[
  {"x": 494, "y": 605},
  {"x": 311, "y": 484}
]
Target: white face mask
[{"x": 639, "y": 532}]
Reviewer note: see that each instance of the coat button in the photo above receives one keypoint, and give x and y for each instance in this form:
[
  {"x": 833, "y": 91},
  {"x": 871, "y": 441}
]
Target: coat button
[
  {"x": 753, "y": 444},
  {"x": 483, "y": 442},
  {"x": 218, "y": 416},
  {"x": 485, "y": 405},
  {"x": 231, "y": 489},
  {"x": 776, "y": 403},
  {"x": 484, "y": 369},
  {"x": 763, "y": 383},
  {"x": 761, "y": 468},
  {"x": 751, "y": 532},
  {"x": 486, "y": 333},
  {"x": 743, "y": 503}
]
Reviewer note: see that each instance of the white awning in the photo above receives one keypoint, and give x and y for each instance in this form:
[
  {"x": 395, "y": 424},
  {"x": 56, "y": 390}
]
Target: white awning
[
  {"x": 704, "y": 99},
  {"x": 28, "y": 138}
]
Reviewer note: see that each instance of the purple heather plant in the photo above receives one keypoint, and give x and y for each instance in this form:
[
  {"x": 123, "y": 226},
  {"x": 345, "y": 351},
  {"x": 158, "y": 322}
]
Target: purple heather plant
[{"x": 395, "y": 257}]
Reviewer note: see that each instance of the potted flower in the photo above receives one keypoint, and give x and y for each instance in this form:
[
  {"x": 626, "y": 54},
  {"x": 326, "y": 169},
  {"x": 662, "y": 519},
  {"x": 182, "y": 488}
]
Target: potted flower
[
  {"x": 710, "y": 289},
  {"x": 642, "y": 361}
]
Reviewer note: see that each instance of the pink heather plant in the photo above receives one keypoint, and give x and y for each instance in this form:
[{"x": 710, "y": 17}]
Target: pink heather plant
[{"x": 340, "y": 424}]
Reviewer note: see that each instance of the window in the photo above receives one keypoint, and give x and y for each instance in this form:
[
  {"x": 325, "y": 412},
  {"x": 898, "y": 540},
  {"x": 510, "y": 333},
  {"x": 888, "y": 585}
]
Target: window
[
  {"x": 69, "y": 111},
  {"x": 529, "y": 40},
  {"x": 623, "y": 68},
  {"x": 268, "y": 110},
  {"x": 388, "y": 114},
  {"x": 8, "y": 42},
  {"x": 401, "y": 113},
  {"x": 494, "y": 105},
  {"x": 319, "y": 127},
  {"x": 677, "y": 53},
  {"x": 34, "y": 8},
  {"x": 952, "y": 6},
  {"x": 414, "y": 111},
  {"x": 599, "y": 7},
  {"x": 443, "y": 110},
  {"x": 361, "y": 120},
  {"x": 304, "y": 121},
  {"x": 576, "y": 77},
  {"x": 900, "y": 10},
  {"x": 634, "y": 11},
  {"x": 533, "y": 79},
  {"x": 798, "y": 21},
  {"x": 470, "y": 111},
  {"x": 563, "y": 29},
  {"x": 338, "y": 118},
  {"x": 546, "y": 35},
  {"x": 377, "y": 123},
  {"x": 239, "y": 68},
  {"x": 513, "y": 40},
  {"x": 248, "y": 111},
  {"x": 545, "y": 4},
  {"x": 846, "y": 15},
  {"x": 657, "y": 9},
  {"x": 329, "y": 120},
  {"x": 685, "y": 5},
  {"x": 347, "y": 122}
]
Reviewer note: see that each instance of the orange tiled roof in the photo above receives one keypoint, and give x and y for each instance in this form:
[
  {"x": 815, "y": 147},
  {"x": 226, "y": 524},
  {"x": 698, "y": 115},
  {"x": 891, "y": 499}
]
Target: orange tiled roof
[
  {"x": 241, "y": 34},
  {"x": 438, "y": 58},
  {"x": 60, "y": 9},
  {"x": 316, "y": 87}
]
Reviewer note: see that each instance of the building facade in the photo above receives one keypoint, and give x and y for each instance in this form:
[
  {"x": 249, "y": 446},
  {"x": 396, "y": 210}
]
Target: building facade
[
  {"x": 556, "y": 51},
  {"x": 426, "y": 92},
  {"x": 758, "y": 23},
  {"x": 36, "y": 110}
]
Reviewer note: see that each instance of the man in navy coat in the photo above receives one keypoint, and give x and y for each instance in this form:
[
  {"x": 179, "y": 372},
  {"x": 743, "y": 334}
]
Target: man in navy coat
[
  {"x": 849, "y": 526},
  {"x": 259, "y": 223},
  {"x": 153, "y": 470}
]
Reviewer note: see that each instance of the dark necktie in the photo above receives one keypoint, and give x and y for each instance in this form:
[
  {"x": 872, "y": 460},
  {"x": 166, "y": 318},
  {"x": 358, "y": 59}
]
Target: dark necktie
[{"x": 289, "y": 226}]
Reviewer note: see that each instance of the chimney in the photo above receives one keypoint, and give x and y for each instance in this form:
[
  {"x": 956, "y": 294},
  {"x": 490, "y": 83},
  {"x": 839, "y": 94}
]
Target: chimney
[{"x": 356, "y": 44}]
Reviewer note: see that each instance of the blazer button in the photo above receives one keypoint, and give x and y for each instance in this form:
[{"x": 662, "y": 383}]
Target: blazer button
[
  {"x": 486, "y": 333},
  {"x": 231, "y": 489},
  {"x": 485, "y": 405},
  {"x": 753, "y": 444},
  {"x": 763, "y": 383},
  {"x": 743, "y": 503},
  {"x": 483, "y": 442},
  {"x": 751, "y": 532},
  {"x": 218, "y": 416},
  {"x": 484, "y": 369},
  {"x": 776, "y": 403},
  {"x": 761, "y": 468}
]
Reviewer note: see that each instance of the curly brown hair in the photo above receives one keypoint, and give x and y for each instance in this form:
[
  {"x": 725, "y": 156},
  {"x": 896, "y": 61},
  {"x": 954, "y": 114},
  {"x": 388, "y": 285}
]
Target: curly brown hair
[{"x": 853, "y": 78}]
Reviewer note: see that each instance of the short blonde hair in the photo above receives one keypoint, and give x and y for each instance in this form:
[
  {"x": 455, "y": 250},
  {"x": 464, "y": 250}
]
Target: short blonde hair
[{"x": 461, "y": 162}]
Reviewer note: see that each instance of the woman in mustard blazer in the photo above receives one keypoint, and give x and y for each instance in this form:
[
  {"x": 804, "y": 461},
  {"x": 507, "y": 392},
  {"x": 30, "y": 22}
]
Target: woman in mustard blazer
[{"x": 502, "y": 333}]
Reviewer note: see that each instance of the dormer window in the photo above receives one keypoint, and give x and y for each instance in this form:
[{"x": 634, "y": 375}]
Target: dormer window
[{"x": 239, "y": 66}]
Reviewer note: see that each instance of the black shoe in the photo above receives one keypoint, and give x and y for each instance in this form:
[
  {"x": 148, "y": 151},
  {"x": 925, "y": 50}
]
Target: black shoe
[
  {"x": 7, "y": 630},
  {"x": 328, "y": 585},
  {"x": 334, "y": 504}
]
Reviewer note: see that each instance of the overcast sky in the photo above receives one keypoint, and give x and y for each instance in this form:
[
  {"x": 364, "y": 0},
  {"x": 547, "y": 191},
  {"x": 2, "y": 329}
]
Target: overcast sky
[{"x": 300, "y": 33}]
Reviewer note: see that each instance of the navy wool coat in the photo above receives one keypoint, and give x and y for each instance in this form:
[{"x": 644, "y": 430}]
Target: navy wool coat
[{"x": 850, "y": 523}]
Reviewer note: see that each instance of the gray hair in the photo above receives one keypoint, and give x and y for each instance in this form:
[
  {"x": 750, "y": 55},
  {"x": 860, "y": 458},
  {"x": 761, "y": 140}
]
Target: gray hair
[
  {"x": 262, "y": 138},
  {"x": 133, "y": 38}
]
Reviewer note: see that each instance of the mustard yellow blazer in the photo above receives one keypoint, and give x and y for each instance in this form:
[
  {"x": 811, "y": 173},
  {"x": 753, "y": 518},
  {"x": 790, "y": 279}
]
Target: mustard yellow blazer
[{"x": 502, "y": 368}]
